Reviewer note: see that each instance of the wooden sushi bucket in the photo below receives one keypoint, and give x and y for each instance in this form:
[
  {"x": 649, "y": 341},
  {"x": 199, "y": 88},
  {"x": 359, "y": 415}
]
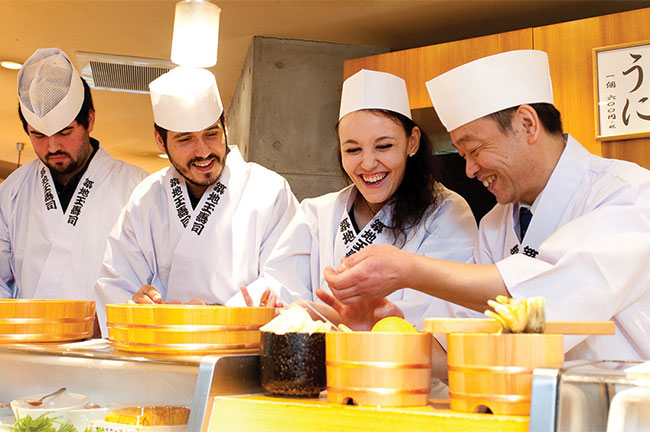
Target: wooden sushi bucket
[
  {"x": 488, "y": 370},
  {"x": 33, "y": 320},
  {"x": 495, "y": 371},
  {"x": 186, "y": 329},
  {"x": 376, "y": 368}
]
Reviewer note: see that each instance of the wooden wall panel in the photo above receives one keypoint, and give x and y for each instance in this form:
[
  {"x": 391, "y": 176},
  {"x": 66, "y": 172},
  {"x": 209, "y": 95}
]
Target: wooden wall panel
[
  {"x": 419, "y": 65},
  {"x": 569, "y": 46}
]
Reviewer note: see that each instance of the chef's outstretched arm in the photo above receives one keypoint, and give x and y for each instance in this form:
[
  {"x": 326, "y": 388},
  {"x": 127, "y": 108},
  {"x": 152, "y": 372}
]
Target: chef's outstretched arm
[{"x": 378, "y": 270}]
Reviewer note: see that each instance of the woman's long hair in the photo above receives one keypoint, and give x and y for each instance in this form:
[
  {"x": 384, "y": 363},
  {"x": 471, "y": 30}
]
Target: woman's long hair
[{"x": 418, "y": 194}]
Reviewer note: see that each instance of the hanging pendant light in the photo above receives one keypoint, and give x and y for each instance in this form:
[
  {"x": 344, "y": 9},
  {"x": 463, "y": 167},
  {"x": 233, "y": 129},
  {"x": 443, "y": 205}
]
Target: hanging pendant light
[{"x": 196, "y": 33}]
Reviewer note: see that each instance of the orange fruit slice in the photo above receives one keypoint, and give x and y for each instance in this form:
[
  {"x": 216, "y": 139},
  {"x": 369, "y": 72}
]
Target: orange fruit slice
[{"x": 393, "y": 324}]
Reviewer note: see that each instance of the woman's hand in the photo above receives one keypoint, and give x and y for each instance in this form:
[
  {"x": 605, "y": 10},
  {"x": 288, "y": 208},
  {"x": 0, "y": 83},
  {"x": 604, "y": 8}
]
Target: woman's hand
[
  {"x": 267, "y": 300},
  {"x": 360, "y": 315}
]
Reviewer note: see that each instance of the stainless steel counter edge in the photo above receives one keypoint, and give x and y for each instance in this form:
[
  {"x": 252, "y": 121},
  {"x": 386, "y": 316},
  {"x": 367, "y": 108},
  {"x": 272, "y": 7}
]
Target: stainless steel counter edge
[{"x": 219, "y": 376}]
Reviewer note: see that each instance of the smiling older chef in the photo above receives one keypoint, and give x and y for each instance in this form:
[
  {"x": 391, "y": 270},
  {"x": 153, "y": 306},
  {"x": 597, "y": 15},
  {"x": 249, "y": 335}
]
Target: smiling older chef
[
  {"x": 204, "y": 226},
  {"x": 57, "y": 210},
  {"x": 587, "y": 247}
]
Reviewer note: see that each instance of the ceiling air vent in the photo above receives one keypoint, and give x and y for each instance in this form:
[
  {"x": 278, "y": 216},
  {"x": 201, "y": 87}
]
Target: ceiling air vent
[{"x": 120, "y": 73}]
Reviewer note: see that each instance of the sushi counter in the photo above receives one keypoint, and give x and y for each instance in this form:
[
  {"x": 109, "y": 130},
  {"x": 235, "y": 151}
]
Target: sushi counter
[
  {"x": 583, "y": 395},
  {"x": 222, "y": 392},
  {"x": 110, "y": 380},
  {"x": 267, "y": 413},
  {"x": 172, "y": 368}
]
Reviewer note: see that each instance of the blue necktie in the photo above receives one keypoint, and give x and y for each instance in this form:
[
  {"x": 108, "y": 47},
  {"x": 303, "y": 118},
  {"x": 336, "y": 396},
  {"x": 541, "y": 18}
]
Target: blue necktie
[{"x": 524, "y": 220}]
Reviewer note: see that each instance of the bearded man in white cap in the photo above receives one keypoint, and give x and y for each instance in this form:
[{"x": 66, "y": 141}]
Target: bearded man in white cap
[
  {"x": 57, "y": 210},
  {"x": 587, "y": 247},
  {"x": 203, "y": 227}
]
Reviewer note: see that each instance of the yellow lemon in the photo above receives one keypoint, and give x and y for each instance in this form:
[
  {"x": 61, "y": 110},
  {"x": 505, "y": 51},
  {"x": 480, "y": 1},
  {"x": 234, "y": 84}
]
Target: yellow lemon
[{"x": 393, "y": 324}]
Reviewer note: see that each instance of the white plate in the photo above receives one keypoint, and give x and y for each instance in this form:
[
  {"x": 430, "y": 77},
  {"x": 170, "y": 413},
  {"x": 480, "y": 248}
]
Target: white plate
[
  {"x": 6, "y": 423},
  {"x": 63, "y": 400},
  {"x": 56, "y": 407},
  {"x": 81, "y": 418}
]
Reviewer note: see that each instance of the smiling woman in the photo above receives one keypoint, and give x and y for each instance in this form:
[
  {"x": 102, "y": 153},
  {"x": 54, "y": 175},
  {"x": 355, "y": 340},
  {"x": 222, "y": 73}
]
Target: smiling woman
[
  {"x": 376, "y": 148},
  {"x": 395, "y": 198}
]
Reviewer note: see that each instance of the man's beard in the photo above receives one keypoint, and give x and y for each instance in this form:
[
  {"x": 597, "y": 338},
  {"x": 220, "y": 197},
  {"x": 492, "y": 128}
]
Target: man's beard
[
  {"x": 206, "y": 179},
  {"x": 60, "y": 168},
  {"x": 73, "y": 163}
]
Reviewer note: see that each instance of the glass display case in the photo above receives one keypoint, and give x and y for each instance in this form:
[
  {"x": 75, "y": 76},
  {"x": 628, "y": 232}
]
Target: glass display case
[
  {"x": 594, "y": 395},
  {"x": 112, "y": 378}
]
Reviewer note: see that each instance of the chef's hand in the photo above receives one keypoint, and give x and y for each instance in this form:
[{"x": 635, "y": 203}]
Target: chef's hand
[
  {"x": 267, "y": 299},
  {"x": 370, "y": 274},
  {"x": 196, "y": 302},
  {"x": 147, "y": 295},
  {"x": 150, "y": 295},
  {"x": 361, "y": 315}
]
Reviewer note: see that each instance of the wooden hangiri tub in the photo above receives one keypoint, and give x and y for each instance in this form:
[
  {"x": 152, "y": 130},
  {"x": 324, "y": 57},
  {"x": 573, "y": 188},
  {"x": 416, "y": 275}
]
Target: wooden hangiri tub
[
  {"x": 186, "y": 329},
  {"x": 376, "y": 368},
  {"x": 35, "y": 320}
]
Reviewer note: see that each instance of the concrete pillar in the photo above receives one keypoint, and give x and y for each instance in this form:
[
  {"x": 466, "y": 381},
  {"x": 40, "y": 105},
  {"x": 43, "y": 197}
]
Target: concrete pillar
[{"x": 285, "y": 107}]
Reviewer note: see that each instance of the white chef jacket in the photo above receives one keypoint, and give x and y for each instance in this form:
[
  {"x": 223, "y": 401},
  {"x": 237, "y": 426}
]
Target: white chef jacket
[
  {"x": 321, "y": 234},
  {"x": 204, "y": 253},
  {"x": 587, "y": 250},
  {"x": 45, "y": 253}
]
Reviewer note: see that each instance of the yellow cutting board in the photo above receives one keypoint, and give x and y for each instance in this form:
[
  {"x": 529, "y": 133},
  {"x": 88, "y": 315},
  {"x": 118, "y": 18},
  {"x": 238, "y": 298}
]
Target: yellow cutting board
[{"x": 479, "y": 325}]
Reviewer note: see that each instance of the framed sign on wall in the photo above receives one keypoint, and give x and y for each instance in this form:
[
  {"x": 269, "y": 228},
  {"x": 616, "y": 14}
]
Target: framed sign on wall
[{"x": 622, "y": 91}]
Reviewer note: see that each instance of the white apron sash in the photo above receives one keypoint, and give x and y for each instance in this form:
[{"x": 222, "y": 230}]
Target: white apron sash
[
  {"x": 348, "y": 242},
  {"x": 199, "y": 247},
  {"x": 549, "y": 210},
  {"x": 64, "y": 228}
]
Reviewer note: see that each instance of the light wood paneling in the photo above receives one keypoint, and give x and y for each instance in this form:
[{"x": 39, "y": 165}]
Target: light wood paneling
[
  {"x": 419, "y": 65},
  {"x": 569, "y": 46}
]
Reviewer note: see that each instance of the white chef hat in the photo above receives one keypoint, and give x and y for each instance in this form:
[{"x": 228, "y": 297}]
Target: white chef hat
[
  {"x": 489, "y": 85},
  {"x": 369, "y": 89},
  {"x": 185, "y": 99},
  {"x": 50, "y": 91}
]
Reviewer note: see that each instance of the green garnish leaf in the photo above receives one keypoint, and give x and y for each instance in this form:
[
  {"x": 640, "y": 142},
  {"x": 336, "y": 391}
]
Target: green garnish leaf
[{"x": 45, "y": 424}]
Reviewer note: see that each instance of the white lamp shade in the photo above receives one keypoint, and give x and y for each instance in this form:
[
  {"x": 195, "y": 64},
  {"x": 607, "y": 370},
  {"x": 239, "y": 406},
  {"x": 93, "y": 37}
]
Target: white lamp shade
[{"x": 196, "y": 34}]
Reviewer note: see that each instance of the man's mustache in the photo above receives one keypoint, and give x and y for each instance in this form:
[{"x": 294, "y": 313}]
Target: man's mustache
[
  {"x": 57, "y": 153},
  {"x": 204, "y": 159}
]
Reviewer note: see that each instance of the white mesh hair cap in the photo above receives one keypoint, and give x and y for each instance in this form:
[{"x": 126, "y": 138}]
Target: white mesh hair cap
[
  {"x": 368, "y": 89},
  {"x": 491, "y": 84},
  {"x": 50, "y": 91},
  {"x": 185, "y": 99}
]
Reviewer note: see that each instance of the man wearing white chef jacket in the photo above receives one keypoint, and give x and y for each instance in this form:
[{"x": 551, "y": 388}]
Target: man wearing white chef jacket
[
  {"x": 203, "y": 227},
  {"x": 56, "y": 211},
  {"x": 587, "y": 246}
]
